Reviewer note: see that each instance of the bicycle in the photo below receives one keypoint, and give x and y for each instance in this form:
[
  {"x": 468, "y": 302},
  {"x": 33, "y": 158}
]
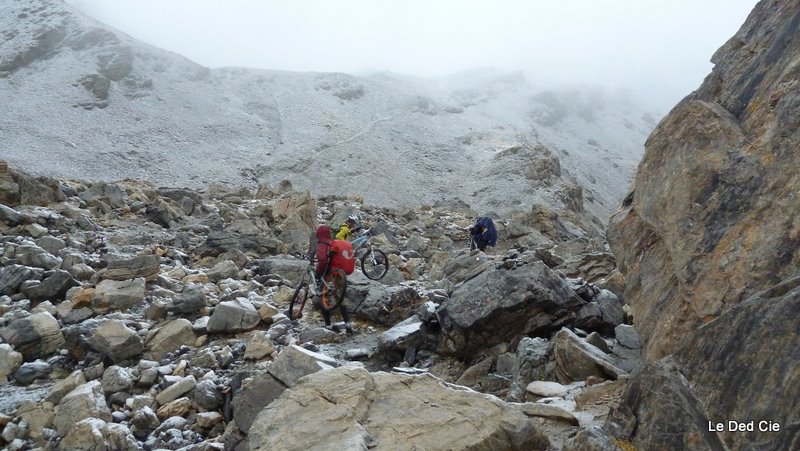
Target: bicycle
[
  {"x": 374, "y": 263},
  {"x": 330, "y": 290}
]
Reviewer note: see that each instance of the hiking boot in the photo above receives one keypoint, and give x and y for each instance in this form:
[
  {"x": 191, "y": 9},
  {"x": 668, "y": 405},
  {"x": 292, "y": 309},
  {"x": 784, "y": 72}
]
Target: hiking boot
[{"x": 349, "y": 328}]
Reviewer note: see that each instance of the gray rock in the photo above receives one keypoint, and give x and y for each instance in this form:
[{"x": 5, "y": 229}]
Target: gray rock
[
  {"x": 64, "y": 386},
  {"x": 144, "y": 422},
  {"x": 597, "y": 341},
  {"x": 85, "y": 401},
  {"x": 51, "y": 244},
  {"x": 404, "y": 335},
  {"x": 167, "y": 337},
  {"x": 576, "y": 359},
  {"x": 12, "y": 276},
  {"x": 123, "y": 267},
  {"x": 627, "y": 336},
  {"x": 295, "y": 362},
  {"x": 116, "y": 341},
  {"x": 205, "y": 358},
  {"x": 176, "y": 390},
  {"x": 35, "y": 336},
  {"x": 341, "y": 400},
  {"x": 10, "y": 360},
  {"x": 549, "y": 411},
  {"x": 260, "y": 345},
  {"x": 118, "y": 295},
  {"x": 546, "y": 389},
  {"x": 501, "y": 305},
  {"x": 206, "y": 395},
  {"x": 53, "y": 287},
  {"x": 318, "y": 335},
  {"x": 389, "y": 305},
  {"x": 32, "y": 255},
  {"x": 223, "y": 270},
  {"x": 233, "y": 316},
  {"x": 255, "y": 394},
  {"x": 191, "y": 300},
  {"x": 30, "y": 371},
  {"x": 591, "y": 438},
  {"x": 10, "y": 216},
  {"x": 466, "y": 267},
  {"x": 117, "y": 379},
  {"x": 86, "y": 434},
  {"x": 119, "y": 437},
  {"x": 288, "y": 268}
]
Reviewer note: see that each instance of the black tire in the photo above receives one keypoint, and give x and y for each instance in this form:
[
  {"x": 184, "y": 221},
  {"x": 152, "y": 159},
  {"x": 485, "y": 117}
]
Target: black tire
[
  {"x": 333, "y": 289},
  {"x": 298, "y": 302},
  {"x": 375, "y": 270}
]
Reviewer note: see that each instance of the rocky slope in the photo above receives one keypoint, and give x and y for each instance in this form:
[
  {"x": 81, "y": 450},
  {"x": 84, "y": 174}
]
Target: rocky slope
[
  {"x": 710, "y": 244},
  {"x": 137, "y": 317},
  {"x": 91, "y": 102}
]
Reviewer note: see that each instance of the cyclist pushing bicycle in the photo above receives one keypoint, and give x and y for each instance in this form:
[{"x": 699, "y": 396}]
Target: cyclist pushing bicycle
[{"x": 328, "y": 274}]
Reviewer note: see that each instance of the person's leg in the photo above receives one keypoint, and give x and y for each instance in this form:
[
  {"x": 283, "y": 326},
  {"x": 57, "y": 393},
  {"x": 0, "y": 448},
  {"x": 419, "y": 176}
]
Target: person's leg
[{"x": 346, "y": 317}]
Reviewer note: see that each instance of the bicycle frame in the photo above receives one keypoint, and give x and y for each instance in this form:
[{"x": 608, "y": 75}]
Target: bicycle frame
[{"x": 360, "y": 244}]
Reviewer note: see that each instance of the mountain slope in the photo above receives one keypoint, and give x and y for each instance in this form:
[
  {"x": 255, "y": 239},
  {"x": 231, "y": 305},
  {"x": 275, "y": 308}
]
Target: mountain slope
[{"x": 89, "y": 101}]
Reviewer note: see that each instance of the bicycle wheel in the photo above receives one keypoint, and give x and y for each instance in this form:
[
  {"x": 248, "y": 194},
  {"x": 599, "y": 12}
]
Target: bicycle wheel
[
  {"x": 374, "y": 264},
  {"x": 333, "y": 289},
  {"x": 298, "y": 302}
]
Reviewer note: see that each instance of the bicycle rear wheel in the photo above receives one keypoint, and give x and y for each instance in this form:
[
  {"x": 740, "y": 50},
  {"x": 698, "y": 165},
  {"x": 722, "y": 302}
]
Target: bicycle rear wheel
[
  {"x": 333, "y": 289},
  {"x": 298, "y": 302},
  {"x": 374, "y": 264}
]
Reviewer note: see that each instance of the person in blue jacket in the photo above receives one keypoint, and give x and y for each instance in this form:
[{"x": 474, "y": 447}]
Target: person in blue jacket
[{"x": 483, "y": 233}]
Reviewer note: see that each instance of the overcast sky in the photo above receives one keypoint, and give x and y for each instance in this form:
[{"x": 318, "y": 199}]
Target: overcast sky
[{"x": 658, "y": 47}]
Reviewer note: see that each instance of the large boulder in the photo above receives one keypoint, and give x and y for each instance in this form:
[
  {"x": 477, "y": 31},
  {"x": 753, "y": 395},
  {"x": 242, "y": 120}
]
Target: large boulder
[
  {"x": 116, "y": 341},
  {"x": 168, "y": 337},
  {"x": 389, "y": 305},
  {"x": 576, "y": 359},
  {"x": 85, "y": 401},
  {"x": 35, "y": 336},
  {"x": 501, "y": 305},
  {"x": 233, "y": 316},
  {"x": 124, "y": 267},
  {"x": 349, "y": 408},
  {"x": 295, "y": 362},
  {"x": 118, "y": 295}
]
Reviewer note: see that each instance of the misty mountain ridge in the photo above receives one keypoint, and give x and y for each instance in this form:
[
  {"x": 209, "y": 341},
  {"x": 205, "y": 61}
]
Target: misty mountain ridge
[{"x": 91, "y": 102}]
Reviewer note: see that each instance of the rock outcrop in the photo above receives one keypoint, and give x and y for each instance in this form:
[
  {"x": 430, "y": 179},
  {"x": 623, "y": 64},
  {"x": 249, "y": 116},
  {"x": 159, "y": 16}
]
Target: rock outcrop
[
  {"x": 709, "y": 243},
  {"x": 711, "y": 218}
]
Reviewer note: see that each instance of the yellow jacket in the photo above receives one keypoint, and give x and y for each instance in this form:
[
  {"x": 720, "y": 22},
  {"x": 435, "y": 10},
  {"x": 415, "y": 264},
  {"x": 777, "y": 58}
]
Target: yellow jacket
[{"x": 344, "y": 232}]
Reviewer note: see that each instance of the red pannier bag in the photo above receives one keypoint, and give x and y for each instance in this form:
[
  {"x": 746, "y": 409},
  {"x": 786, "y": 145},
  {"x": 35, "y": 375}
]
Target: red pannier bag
[{"x": 343, "y": 256}]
